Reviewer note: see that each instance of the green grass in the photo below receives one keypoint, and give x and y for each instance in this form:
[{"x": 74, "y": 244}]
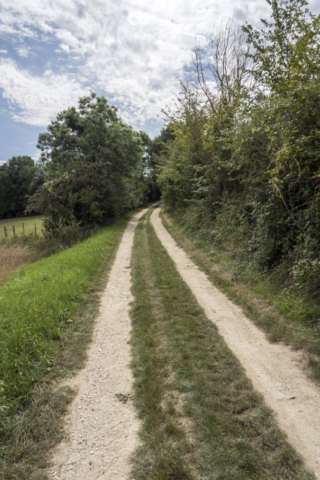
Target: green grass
[
  {"x": 284, "y": 315},
  {"x": 17, "y": 223},
  {"x": 47, "y": 310},
  {"x": 200, "y": 416}
]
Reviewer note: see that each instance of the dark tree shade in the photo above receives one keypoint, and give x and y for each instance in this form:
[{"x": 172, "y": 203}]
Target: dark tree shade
[{"x": 19, "y": 178}]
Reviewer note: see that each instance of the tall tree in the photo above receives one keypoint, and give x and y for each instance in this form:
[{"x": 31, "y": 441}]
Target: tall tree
[
  {"x": 287, "y": 51},
  {"x": 94, "y": 166}
]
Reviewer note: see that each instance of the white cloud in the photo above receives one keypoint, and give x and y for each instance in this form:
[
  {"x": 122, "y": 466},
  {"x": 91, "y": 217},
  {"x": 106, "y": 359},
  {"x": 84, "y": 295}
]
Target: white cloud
[
  {"x": 23, "y": 51},
  {"x": 133, "y": 51},
  {"x": 38, "y": 98}
]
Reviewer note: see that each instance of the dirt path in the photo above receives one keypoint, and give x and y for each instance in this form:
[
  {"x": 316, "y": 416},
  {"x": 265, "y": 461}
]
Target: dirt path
[
  {"x": 273, "y": 368},
  {"x": 101, "y": 431}
]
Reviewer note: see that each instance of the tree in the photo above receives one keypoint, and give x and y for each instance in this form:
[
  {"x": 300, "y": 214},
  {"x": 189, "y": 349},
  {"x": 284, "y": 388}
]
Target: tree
[
  {"x": 94, "y": 166},
  {"x": 247, "y": 161},
  {"x": 221, "y": 64},
  {"x": 287, "y": 52},
  {"x": 19, "y": 178},
  {"x": 153, "y": 150}
]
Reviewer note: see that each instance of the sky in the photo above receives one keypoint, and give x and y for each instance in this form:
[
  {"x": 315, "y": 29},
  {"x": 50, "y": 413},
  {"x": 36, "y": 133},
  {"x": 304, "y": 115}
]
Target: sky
[{"x": 134, "y": 52}]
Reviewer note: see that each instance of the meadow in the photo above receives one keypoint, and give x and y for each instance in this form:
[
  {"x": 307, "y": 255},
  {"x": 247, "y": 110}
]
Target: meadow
[{"x": 18, "y": 223}]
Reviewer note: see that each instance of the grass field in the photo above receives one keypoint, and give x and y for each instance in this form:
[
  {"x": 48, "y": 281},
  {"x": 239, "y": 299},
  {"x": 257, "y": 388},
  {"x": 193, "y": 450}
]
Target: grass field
[
  {"x": 47, "y": 311},
  {"x": 18, "y": 224},
  {"x": 200, "y": 416}
]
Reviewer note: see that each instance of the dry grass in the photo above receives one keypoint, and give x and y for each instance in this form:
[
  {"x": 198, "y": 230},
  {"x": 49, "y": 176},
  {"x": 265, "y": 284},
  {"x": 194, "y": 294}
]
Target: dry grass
[{"x": 12, "y": 258}]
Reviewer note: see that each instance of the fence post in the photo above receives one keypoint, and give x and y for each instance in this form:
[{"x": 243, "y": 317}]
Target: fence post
[
  {"x": 14, "y": 231},
  {"x": 35, "y": 229},
  {"x": 5, "y": 231},
  {"x": 23, "y": 228},
  {"x": 43, "y": 232}
]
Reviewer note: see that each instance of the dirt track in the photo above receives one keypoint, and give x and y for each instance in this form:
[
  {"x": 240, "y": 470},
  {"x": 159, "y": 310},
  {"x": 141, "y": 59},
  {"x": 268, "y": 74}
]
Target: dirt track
[
  {"x": 101, "y": 431},
  {"x": 273, "y": 368}
]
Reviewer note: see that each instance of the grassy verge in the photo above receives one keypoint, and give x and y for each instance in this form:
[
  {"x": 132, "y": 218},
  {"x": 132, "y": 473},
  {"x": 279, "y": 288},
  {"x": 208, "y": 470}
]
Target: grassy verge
[
  {"x": 47, "y": 310},
  {"x": 201, "y": 418},
  {"x": 281, "y": 314}
]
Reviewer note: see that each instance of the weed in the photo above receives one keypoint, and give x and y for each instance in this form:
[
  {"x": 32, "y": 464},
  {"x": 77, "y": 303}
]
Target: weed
[{"x": 123, "y": 397}]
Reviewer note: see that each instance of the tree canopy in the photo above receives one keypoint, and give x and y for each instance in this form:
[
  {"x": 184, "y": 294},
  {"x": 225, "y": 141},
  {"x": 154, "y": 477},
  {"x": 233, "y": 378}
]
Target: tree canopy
[
  {"x": 248, "y": 160},
  {"x": 19, "y": 178},
  {"x": 93, "y": 163}
]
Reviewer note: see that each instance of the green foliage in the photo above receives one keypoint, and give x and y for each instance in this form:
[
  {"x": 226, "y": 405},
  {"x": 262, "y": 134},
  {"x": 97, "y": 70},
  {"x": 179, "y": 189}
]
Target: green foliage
[
  {"x": 153, "y": 149},
  {"x": 252, "y": 161},
  {"x": 287, "y": 50},
  {"x": 19, "y": 178},
  {"x": 93, "y": 163}
]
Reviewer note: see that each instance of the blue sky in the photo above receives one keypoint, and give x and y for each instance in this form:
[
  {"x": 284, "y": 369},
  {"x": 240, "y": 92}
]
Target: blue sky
[{"x": 132, "y": 51}]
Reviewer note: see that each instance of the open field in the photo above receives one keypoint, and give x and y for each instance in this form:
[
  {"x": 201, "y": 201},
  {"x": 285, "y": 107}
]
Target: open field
[
  {"x": 47, "y": 311},
  {"x": 201, "y": 417},
  {"x": 18, "y": 224}
]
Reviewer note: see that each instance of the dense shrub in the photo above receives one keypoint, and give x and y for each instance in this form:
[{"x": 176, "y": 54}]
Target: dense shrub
[{"x": 248, "y": 161}]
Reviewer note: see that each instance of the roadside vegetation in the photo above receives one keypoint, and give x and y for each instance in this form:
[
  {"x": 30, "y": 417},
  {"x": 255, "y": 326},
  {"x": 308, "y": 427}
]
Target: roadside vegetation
[
  {"x": 93, "y": 169},
  {"x": 239, "y": 158},
  {"x": 200, "y": 416},
  {"x": 47, "y": 311}
]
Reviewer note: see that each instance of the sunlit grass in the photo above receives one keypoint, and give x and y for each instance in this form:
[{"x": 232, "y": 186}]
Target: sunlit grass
[{"x": 47, "y": 311}]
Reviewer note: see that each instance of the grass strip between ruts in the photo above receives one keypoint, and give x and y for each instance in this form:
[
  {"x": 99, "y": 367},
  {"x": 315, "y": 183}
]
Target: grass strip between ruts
[
  {"x": 200, "y": 416},
  {"x": 47, "y": 311},
  {"x": 261, "y": 299}
]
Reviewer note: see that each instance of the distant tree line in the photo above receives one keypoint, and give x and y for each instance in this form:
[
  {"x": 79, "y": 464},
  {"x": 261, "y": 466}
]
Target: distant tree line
[{"x": 243, "y": 155}]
